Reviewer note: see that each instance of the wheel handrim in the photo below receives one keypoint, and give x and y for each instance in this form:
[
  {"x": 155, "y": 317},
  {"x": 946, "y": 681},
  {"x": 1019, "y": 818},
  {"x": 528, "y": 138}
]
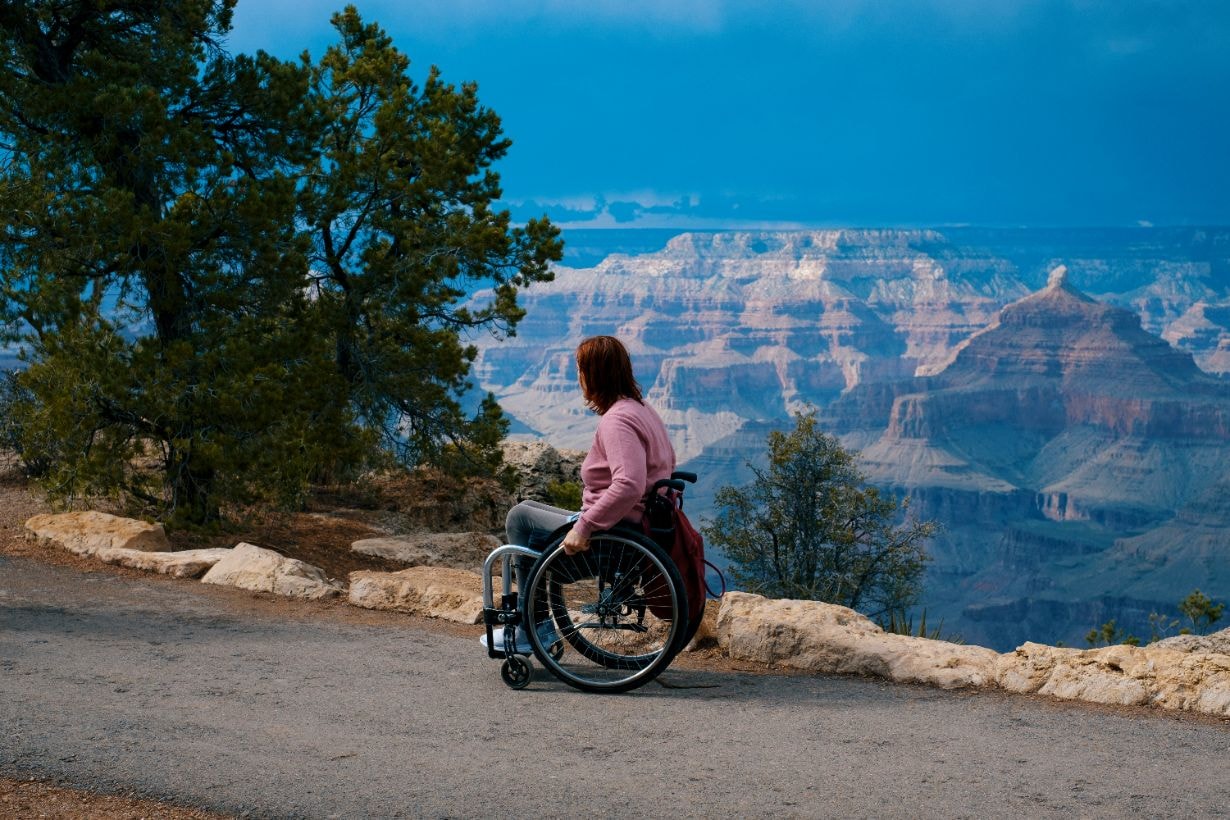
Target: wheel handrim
[{"x": 614, "y": 608}]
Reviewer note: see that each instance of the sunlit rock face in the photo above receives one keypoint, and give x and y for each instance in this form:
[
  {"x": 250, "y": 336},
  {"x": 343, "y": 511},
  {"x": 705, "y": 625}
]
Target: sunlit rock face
[
  {"x": 1074, "y": 460},
  {"x": 731, "y": 327},
  {"x": 1097, "y": 421}
]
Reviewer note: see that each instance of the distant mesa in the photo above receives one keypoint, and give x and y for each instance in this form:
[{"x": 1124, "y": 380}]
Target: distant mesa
[{"x": 1041, "y": 390}]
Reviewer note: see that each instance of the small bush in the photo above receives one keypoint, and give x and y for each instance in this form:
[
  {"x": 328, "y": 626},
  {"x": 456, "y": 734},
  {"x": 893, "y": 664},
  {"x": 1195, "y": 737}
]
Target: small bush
[
  {"x": 1201, "y": 611},
  {"x": 899, "y": 623},
  {"x": 1109, "y": 634},
  {"x": 565, "y": 494},
  {"x": 16, "y": 404}
]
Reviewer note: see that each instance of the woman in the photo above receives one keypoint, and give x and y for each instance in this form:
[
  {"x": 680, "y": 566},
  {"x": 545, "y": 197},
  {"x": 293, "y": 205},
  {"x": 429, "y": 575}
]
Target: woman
[{"x": 631, "y": 450}]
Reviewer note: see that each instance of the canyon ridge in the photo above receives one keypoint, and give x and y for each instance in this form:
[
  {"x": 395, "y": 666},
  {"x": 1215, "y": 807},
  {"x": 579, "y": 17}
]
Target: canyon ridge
[{"x": 1056, "y": 399}]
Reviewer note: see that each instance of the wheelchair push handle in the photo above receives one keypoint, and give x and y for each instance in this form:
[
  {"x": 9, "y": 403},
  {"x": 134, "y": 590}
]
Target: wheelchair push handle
[{"x": 675, "y": 482}]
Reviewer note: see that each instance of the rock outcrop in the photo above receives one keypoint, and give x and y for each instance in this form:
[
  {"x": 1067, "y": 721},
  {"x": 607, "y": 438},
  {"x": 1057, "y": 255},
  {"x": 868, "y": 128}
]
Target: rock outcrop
[
  {"x": 732, "y": 327},
  {"x": 1122, "y": 675},
  {"x": 87, "y": 533},
  {"x": 1052, "y": 438},
  {"x": 823, "y": 638},
  {"x": 820, "y": 637},
  {"x": 182, "y": 564},
  {"x": 539, "y": 465},
  {"x": 459, "y": 550},
  {"x": 248, "y": 566},
  {"x": 435, "y": 592},
  {"x": 1218, "y": 642}
]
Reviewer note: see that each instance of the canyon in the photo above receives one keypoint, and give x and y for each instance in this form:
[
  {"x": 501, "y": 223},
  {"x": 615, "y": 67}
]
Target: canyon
[{"x": 1054, "y": 398}]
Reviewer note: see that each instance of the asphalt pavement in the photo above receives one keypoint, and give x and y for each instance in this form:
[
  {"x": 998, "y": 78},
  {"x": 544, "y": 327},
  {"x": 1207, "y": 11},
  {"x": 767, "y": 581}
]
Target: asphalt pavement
[{"x": 117, "y": 683}]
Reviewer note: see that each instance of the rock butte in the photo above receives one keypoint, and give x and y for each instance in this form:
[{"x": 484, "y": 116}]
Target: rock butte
[{"x": 1090, "y": 447}]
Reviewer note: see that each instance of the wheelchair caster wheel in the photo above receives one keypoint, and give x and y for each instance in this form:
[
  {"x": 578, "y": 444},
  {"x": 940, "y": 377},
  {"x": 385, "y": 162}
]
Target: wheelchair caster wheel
[{"x": 516, "y": 672}]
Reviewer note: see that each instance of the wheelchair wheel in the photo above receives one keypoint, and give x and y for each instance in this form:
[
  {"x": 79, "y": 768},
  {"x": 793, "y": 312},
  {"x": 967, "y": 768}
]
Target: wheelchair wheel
[
  {"x": 516, "y": 672},
  {"x": 619, "y": 608}
]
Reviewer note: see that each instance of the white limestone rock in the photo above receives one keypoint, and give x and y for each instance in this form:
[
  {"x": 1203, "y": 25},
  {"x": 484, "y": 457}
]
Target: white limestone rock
[
  {"x": 183, "y": 564},
  {"x": 88, "y": 532},
  {"x": 459, "y": 550},
  {"x": 436, "y": 592},
  {"x": 1121, "y": 675},
  {"x": 1192, "y": 681},
  {"x": 821, "y": 637},
  {"x": 1027, "y": 669},
  {"x": 1218, "y": 642},
  {"x": 248, "y": 566}
]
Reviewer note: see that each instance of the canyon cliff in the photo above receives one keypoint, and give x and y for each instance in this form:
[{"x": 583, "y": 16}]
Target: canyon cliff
[
  {"x": 1071, "y": 456},
  {"x": 1095, "y": 433}
]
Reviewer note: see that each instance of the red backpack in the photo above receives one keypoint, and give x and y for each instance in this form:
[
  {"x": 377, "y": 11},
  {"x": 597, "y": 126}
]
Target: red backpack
[{"x": 666, "y": 524}]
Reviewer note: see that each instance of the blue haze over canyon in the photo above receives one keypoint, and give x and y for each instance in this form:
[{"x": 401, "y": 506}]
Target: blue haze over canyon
[{"x": 1055, "y": 398}]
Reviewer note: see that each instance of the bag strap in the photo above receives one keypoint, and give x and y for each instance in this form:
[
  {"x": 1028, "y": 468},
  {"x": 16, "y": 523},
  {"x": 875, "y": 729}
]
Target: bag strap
[{"x": 709, "y": 589}]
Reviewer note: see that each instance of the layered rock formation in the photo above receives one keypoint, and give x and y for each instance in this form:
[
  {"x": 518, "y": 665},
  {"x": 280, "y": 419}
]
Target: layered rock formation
[
  {"x": 1056, "y": 449},
  {"x": 1076, "y": 465},
  {"x": 727, "y": 328}
]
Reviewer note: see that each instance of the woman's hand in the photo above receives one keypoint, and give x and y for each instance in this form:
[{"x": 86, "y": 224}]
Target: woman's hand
[{"x": 574, "y": 542}]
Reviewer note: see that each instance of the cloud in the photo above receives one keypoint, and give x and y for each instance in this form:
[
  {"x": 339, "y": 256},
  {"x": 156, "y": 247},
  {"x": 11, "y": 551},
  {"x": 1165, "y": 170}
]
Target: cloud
[{"x": 648, "y": 209}]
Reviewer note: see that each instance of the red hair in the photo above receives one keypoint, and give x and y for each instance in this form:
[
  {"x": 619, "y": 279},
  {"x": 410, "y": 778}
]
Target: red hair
[{"x": 605, "y": 371}]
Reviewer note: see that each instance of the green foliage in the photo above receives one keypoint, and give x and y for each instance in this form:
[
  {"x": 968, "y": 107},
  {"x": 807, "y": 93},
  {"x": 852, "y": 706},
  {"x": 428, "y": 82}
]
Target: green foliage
[
  {"x": 900, "y": 623},
  {"x": 565, "y": 494},
  {"x": 233, "y": 274},
  {"x": 17, "y": 403},
  {"x": 809, "y": 527},
  {"x": 1161, "y": 626},
  {"x": 398, "y": 199},
  {"x": 479, "y": 453},
  {"x": 1200, "y": 611},
  {"x": 1109, "y": 634}
]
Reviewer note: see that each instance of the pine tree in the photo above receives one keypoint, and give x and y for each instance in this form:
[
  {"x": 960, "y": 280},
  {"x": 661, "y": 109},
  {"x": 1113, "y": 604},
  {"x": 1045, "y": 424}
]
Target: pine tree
[
  {"x": 399, "y": 201},
  {"x": 809, "y": 527},
  {"x": 232, "y": 273}
]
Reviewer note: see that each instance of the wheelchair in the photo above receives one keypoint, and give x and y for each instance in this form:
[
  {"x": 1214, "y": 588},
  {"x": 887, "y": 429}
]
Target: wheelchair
[{"x": 608, "y": 619}]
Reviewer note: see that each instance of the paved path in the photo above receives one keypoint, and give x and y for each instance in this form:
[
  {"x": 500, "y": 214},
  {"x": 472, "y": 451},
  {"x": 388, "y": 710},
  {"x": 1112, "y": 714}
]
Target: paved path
[{"x": 117, "y": 683}]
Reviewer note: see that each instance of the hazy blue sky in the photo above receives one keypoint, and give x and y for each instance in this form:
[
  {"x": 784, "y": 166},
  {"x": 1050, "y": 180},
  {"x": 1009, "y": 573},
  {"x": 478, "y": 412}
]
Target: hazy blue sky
[{"x": 723, "y": 113}]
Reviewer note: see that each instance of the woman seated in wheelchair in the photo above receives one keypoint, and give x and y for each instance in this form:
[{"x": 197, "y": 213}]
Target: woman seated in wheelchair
[{"x": 630, "y": 452}]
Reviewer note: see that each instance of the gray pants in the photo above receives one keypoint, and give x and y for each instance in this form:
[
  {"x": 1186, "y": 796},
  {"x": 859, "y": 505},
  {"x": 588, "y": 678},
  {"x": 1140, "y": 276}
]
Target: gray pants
[
  {"x": 527, "y": 525},
  {"x": 531, "y": 518}
]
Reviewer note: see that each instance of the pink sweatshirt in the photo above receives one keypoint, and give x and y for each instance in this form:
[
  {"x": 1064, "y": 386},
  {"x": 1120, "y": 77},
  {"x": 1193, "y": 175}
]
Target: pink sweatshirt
[{"x": 631, "y": 451}]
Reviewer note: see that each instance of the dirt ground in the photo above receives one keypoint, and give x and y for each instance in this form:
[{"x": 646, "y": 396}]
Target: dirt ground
[{"x": 37, "y": 798}]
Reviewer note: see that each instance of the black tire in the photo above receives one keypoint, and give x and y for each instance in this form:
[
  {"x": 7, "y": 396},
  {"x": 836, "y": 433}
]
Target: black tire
[
  {"x": 619, "y": 607},
  {"x": 516, "y": 672}
]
